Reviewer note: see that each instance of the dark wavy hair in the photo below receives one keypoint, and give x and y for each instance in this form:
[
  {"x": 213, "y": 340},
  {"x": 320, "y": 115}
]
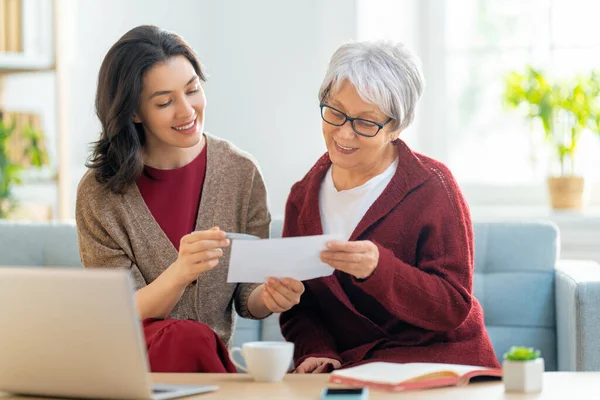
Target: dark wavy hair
[{"x": 117, "y": 156}]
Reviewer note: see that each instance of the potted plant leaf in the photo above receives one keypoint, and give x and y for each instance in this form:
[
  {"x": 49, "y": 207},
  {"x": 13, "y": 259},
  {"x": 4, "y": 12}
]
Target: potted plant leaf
[
  {"x": 565, "y": 108},
  {"x": 523, "y": 370},
  {"x": 593, "y": 93},
  {"x": 11, "y": 165}
]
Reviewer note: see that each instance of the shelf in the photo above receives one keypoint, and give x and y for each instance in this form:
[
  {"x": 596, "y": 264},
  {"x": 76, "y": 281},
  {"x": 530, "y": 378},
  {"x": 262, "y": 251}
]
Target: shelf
[
  {"x": 36, "y": 49},
  {"x": 10, "y": 71}
]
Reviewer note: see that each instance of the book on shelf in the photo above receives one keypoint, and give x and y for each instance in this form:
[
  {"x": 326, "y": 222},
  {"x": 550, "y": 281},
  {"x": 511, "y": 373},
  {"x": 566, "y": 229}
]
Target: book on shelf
[
  {"x": 11, "y": 29},
  {"x": 3, "y": 26}
]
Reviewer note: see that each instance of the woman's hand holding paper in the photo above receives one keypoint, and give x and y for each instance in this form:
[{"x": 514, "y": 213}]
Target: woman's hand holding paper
[{"x": 281, "y": 295}]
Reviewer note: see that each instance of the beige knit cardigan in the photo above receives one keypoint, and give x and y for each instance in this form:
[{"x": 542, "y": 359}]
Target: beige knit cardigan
[{"x": 119, "y": 231}]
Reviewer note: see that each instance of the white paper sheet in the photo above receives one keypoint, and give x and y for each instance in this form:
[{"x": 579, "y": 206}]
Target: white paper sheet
[{"x": 254, "y": 261}]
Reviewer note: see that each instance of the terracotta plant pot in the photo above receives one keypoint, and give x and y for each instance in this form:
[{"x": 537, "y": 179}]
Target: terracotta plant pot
[
  {"x": 566, "y": 192},
  {"x": 523, "y": 376}
]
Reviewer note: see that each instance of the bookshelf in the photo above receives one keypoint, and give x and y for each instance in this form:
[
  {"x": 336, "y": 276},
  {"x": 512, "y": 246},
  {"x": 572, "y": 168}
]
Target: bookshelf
[
  {"x": 26, "y": 35},
  {"x": 36, "y": 55}
]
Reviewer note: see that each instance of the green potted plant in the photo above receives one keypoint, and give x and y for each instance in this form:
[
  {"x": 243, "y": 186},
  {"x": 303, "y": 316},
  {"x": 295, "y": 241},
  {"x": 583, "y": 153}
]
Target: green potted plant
[
  {"x": 11, "y": 166},
  {"x": 523, "y": 369},
  {"x": 565, "y": 109},
  {"x": 593, "y": 92}
]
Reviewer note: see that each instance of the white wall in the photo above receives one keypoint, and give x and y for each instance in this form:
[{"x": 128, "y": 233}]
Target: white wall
[
  {"x": 395, "y": 20},
  {"x": 265, "y": 61}
]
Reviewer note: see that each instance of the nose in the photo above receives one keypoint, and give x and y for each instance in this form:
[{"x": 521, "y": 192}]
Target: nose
[
  {"x": 346, "y": 131},
  {"x": 185, "y": 109}
]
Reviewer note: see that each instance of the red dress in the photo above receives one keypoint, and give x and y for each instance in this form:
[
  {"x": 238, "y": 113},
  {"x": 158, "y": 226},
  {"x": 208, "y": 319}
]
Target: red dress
[{"x": 173, "y": 197}]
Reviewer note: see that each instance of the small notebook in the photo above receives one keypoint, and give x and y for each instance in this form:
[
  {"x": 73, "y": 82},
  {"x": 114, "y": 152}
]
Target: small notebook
[{"x": 410, "y": 376}]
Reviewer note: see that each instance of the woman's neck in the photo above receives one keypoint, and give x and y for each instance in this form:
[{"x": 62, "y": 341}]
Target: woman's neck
[
  {"x": 346, "y": 179},
  {"x": 169, "y": 157}
]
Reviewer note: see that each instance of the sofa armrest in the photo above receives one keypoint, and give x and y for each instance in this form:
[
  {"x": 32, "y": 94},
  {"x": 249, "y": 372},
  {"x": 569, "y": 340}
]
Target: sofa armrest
[{"x": 577, "y": 315}]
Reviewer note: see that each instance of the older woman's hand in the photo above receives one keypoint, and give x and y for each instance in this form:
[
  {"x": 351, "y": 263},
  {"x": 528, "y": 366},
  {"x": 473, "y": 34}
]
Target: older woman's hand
[
  {"x": 281, "y": 295},
  {"x": 317, "y": 365},
  {"x": 358, "y": 259}
]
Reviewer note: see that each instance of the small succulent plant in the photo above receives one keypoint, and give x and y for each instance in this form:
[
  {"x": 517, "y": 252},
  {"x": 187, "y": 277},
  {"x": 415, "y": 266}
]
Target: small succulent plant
[{"x": 518, "y": 353}]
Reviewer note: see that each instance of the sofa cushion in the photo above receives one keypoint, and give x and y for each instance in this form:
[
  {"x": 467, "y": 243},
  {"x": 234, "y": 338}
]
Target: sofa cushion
[
  {"x": 39, "y": 244},
  {"x": 514, "y": 282}
]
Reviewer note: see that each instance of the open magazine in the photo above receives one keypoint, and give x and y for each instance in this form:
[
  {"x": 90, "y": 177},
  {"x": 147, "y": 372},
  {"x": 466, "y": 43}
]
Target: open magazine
[{"x": 411, "y": 376}]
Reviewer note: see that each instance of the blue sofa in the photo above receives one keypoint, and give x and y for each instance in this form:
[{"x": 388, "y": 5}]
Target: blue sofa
[{"x": 529, "y": 296}]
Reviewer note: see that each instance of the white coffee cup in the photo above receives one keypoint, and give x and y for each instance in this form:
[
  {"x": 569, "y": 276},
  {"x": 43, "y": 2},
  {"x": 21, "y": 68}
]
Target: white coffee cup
[{"x": 265, "y": 361}]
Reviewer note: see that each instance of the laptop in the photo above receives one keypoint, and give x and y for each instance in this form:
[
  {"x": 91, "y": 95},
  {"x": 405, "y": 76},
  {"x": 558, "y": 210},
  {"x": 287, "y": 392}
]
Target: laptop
[{"x": 75, "y": 333}]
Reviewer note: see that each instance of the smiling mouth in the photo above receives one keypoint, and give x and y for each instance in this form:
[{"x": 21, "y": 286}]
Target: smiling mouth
[
  {"x": 186, "y": 126},
  {"x": 345, "y": 148}
]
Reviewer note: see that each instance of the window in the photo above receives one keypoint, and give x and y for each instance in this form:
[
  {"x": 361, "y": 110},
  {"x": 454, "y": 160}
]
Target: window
[
  {"x": 484, "y": 40},
  {"x": 467, "y": 48}
]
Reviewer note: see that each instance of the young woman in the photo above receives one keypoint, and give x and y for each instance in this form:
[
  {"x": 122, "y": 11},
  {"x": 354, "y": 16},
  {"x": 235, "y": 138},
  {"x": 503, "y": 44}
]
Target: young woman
[{"x": 160, "y": 195}]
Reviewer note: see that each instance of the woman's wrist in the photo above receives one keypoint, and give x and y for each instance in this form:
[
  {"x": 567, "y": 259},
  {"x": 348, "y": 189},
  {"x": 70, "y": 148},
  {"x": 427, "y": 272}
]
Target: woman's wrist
[
  {"x": 256, "y": 305},
  {"x": 171, "y": 279}
]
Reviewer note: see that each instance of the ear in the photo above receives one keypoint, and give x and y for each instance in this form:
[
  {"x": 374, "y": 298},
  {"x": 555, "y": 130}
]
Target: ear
[
  {"x": 136, "y": 119},
  {"x": 394, "y": 135}
]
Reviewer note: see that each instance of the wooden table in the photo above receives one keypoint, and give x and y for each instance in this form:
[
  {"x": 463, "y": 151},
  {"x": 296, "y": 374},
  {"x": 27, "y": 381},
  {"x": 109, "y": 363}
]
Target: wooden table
[{"x": 557, "y": 385}]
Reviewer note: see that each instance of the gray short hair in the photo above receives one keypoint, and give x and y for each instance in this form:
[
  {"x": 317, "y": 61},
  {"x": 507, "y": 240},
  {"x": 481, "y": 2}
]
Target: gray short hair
[{"x": 384, "y": 73}]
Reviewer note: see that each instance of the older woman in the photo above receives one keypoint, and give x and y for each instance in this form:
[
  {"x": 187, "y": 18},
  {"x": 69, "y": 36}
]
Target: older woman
[{"x": 402, "y": 286}]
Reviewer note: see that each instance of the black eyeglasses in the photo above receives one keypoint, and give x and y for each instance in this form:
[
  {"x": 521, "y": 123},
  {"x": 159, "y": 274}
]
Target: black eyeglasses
[{"x": 363, "y": 127}]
